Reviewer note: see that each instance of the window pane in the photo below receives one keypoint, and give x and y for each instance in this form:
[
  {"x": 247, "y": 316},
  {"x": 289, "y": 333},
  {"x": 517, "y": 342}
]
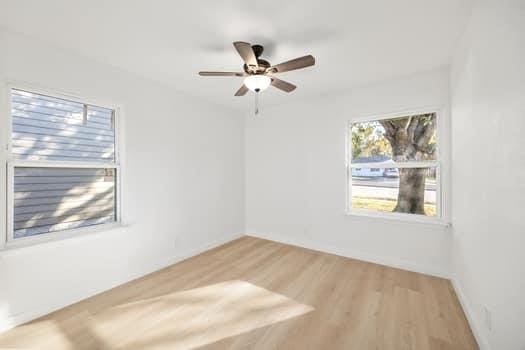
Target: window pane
[
  {"x": 410, "y": 138},
  {"x": 49, "y": 128},
  {"x": 403, "y": 190},
  {"x": 54, "y": 199}
]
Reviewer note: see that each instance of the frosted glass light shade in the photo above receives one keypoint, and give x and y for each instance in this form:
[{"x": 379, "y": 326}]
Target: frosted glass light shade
[{"x": 257, "y": 82}]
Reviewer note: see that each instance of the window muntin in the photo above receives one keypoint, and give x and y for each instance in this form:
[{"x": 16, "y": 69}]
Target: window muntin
[
  {"x": 394, "y": 166},
  {"x": 63, "y": 171}
]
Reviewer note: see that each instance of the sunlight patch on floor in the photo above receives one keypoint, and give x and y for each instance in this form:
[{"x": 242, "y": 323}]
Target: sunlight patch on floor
[
  {"x": 46, "y": 334},
  {"x": 181, "y": 320},
  {"x": 196, "y": 317}
]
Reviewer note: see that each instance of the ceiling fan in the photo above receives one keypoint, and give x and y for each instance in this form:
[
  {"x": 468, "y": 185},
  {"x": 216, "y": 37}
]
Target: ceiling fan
[{"x": 258, "y": 73}]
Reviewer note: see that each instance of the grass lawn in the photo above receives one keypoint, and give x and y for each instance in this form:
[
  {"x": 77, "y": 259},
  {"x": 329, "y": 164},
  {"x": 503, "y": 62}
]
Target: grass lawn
[{"x": 384, "y": 205}]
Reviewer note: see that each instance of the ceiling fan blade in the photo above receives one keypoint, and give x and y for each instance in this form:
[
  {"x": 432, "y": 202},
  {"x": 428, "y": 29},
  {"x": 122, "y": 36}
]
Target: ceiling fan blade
[
  {"x": 221, "y": 74},
  {"x": 283, "y": 85},
  {"x": 242, "y": 91},
  {"x": 246, "y": 52},
  {"x": 296, "y": 63}
]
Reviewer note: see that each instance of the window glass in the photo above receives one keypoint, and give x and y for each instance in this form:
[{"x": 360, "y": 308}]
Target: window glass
[
  {"x": 380, "y": 191},
  {"x": 49, "y": 128},
  {"x": 398, "y": 139},
  {"x": 394, "y": 165},
  {"x": 55, "y": 199},
  {"x": 64, "y": 170}
]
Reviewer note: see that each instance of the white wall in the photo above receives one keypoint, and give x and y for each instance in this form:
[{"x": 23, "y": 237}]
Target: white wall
[
  {"x": 294, "y": 163},
  {"x": 296, "y": 179},
  {"x": 488, "y": 121},
  {"x": 183, "y": 190}
]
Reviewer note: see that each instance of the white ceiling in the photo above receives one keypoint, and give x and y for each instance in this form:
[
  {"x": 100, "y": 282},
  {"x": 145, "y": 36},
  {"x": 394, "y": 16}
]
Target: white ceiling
[{"x": 355, "y": 42}]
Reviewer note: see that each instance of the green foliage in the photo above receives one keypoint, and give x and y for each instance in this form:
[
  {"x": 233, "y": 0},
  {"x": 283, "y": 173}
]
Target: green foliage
[{"x": 368, "y": 140}]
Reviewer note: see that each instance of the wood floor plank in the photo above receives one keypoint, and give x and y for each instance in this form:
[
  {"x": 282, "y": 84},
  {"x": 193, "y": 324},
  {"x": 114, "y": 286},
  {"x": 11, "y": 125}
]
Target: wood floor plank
[{"x": 257, "y": 294}]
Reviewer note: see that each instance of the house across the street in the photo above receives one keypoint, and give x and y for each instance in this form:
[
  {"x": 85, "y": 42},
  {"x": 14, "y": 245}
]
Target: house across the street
[{"x": 380, "y": 171}]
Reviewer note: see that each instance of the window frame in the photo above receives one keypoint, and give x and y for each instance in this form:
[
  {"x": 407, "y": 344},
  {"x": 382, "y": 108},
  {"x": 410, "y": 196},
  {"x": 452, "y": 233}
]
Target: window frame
[
  {"x": 441, "y": 164},
  {"x": 9, "y": 163}
]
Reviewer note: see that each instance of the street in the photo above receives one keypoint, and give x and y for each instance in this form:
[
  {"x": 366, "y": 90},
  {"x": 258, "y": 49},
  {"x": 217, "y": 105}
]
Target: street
[{"x": 386, "y": 188}]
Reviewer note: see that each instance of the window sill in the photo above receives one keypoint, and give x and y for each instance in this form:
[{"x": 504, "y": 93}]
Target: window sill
[
  {"x": 403, "y": 218},
  {"x": 61, "y": 236}
]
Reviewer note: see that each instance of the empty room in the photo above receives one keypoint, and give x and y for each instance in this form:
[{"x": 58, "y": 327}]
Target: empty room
[{"x": 332, "y": 175}]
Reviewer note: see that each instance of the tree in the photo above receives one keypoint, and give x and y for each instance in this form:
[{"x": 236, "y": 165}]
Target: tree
[
  {"x": 368, "y": 140},
  {"x": 360, "y": 133},
  {"x": 411, "y": 138}
]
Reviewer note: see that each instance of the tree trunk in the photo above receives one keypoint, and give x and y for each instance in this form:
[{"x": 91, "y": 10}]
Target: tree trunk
[
  {"x": 411, "y": 196},
  {"x": 410, "y": 139}
]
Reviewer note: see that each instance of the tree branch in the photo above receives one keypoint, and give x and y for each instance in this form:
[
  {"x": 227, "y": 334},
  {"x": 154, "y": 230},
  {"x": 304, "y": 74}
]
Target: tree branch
[
  {"x": 426, "y": 134},
  {"x": 412, "y": 125}
]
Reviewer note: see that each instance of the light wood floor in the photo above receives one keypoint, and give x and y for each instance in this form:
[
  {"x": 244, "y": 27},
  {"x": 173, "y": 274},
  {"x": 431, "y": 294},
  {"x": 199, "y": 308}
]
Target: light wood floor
[{"x": 257, "y": 294}]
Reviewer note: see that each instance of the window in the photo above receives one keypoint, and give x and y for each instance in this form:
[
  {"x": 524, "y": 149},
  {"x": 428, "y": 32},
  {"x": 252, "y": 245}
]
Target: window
[
  {"x": 63, "y": 169},
  {"x": 394, "y": 166}
]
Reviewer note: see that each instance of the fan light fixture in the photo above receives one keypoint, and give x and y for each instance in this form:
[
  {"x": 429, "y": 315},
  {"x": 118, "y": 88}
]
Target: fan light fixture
[{"x": 257, "y": 82}]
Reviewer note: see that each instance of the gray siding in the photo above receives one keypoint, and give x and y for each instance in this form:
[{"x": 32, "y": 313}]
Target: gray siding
[
  {"x": 52, "y": 199},
  {"x": 48, "y": 199},
  {"x": 48, "y": 128}
]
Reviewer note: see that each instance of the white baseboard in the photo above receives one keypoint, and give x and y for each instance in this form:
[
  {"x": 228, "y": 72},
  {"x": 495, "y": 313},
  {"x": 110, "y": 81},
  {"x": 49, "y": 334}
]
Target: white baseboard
[
  {"x": 12, "y": 321},
  {"x": 15, "y": 320},
  {"x": 467, "y": 308},
  {"x": 393, "y": 262}
]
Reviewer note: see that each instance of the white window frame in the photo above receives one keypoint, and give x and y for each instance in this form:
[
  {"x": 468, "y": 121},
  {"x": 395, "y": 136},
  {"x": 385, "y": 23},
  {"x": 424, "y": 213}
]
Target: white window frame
[
  {"x": 441, "y": 164},
  {"x": 9, "y": 163}
]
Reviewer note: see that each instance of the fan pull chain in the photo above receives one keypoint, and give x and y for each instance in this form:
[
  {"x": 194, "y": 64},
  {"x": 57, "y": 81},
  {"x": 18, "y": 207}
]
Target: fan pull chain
[{"x": 256, "y": 103}]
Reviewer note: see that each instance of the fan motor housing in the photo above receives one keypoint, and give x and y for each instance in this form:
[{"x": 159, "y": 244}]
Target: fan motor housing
[
  {"x": 263, "y": 66},
  {"x": 257, "y": 50}
]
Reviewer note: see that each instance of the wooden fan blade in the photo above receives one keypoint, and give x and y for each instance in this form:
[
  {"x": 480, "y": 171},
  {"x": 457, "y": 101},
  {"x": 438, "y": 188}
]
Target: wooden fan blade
[
  {"x": 221, "y": 74},
  {"x": 296, "y": 63},
  {"x": 283, "y": 85},
  {"x": 246, "y": 52},
  {"x": 242, "y": 91}
]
